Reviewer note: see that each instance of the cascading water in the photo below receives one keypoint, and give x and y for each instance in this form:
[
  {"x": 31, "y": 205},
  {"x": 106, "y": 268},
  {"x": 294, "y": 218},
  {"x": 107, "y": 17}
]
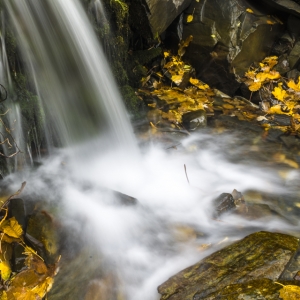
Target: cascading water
[
  {"x": 72, "y": 77},
  {"x": 141, "y": 245}
]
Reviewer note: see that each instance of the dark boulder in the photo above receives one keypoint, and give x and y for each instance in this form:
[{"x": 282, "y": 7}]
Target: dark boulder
[
  {"x": 228, "y": 36},
  {"x": 161, "y": 13}
]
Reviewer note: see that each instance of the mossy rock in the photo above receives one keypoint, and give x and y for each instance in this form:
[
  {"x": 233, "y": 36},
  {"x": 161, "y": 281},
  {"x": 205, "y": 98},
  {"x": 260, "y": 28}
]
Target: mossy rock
[
  {"x": 133, "y": 103},
  {"x": 261, "y": 255}
]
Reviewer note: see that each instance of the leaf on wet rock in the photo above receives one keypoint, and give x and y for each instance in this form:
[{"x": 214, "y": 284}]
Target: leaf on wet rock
[
  {"x": 43, "y": 287},
  {"x": 12, "y": 228},
  {"x": 189, "y": 18},
  {"x": 5, "y": 270},
  {"x": 255, "y": 86},
  {"x": 295, "y": 86},
  {"x": 4, "y": 296},
  {"x": 279, "y": 93},
  {"x": 290, "y": 292},
  {"x": 250, "y": 11}
]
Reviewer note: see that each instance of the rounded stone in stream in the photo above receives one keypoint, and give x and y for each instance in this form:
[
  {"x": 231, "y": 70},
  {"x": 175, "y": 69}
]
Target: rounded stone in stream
[
  {"x": 261, "y": 255},
  {"x": 224, "y": 203},
  {"x": 194, "y": 119}
]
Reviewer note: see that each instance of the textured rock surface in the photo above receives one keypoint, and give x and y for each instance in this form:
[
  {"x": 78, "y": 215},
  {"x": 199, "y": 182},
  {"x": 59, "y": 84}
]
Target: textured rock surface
[
  {"x": 227, "y": 39},
  {"x": 290, "y": 6},
  {"x": 162, "y": 13},
  {"x": 259, "y": 255}
]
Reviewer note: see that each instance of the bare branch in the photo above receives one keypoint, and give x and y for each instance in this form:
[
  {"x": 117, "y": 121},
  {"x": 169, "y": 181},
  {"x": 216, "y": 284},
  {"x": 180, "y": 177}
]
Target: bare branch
[{"x": 13, "y": 195}]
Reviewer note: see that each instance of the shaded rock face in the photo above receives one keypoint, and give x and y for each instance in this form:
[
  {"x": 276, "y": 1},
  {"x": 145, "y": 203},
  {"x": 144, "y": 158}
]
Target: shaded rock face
[
  {"x": 259, "y": 255},
  {"x": 161, "y": 13},
  {"x": 227, "y": 39},
  {"x": 290, "y": 6}
]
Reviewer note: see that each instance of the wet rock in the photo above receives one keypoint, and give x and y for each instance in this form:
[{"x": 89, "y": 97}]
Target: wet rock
[
  {"x": 124, "y": 199},
  {"x": 158, "y": 18},
  {"x": 293, "y": 26},
  {"x": 283, "y": 65},
  {"x": 42, "y": 233},
  {"x": 227, "y": 40},
  {"x": 281, "y": 120},
  {"x": 293, "y": 74},
  {"x": 262, "y": 255},
  {"x": 290, "y": 141},
  {"x": 194, "y": 119},
  {"x": 17, "y": 209},
  {"x": 294, "y": 56},
  {"x": 274, "y": 135},
  {"x": 262, "y": 289},
  {"x": 297, "y": 276},
  {"x": 289, "y": 6},
  {"x": 224, "y": 203}
]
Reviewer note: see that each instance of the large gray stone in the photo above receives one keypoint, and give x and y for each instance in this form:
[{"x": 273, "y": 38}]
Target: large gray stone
[
  {"x": 161, "y": 13},
  {"x": 227, "y": 39}
]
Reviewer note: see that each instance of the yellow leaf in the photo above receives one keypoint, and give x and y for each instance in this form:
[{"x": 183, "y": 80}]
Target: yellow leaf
[
  {"x": 194, "y": 81},
  {"x": 190, "y": 18},
  {"x": 290, "y": 292},
  {"x": 4, "y": 296},
  {"x": 43, "y": 287},
  {"x": 279, "y": 93},
  {"x": 273, "y": 75},
  {"x": 5, "y": 270},
  {"x": 271, "y": 61},
  {"x": 255, "y": 86},
  {"x": 296, "y": 87},
  {"x": 12, "y": 228},
  {"x": 249, "y": 10},
  {"x": 250, "y": 74},
  {"x": 166, "y": 54},
  {"x": 213, "y": 36},
  {"x": 177, "y": 78},
  {"x": 276, "y": 109},
  {"x": 270, "y": 22},
  {"x": 26, "y": 295},
  {"x": 228, "y": 106}
]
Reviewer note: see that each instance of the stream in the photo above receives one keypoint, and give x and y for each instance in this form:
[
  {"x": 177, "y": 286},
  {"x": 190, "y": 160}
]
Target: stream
[{"x": 171, "y": 224}]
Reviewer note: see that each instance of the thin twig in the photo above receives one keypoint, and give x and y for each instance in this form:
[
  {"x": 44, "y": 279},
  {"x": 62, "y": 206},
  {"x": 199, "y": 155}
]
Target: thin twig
[
  {"x": 13, "y": 195},
  {"x": 186, "y": 174}
]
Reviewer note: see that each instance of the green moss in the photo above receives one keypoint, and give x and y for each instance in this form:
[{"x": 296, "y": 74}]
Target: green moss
[
  {"x": 30, "y": 107},
  {"x": 11, "y": 45},
  {"x": 132, "y": 102}
]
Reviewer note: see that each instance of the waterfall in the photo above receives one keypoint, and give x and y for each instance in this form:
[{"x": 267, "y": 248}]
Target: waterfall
[
  {"x": 140, "y": 244},
  {"x": 72, "y": 77}
]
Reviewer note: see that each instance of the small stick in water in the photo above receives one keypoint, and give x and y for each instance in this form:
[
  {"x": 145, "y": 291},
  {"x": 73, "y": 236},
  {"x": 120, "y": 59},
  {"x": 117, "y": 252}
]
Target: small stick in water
[{"x": 186, "y": 174}]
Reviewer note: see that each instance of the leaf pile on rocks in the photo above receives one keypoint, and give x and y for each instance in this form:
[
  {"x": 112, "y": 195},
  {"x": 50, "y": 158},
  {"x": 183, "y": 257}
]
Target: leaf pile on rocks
[
  {"x": 173, "y": 90},
  {"x": 280, "y": 96},
  {"x": 35, "y": 279}
]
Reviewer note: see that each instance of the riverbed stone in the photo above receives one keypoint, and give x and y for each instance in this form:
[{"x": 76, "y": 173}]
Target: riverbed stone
[{"x": 261, "y": 255}]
